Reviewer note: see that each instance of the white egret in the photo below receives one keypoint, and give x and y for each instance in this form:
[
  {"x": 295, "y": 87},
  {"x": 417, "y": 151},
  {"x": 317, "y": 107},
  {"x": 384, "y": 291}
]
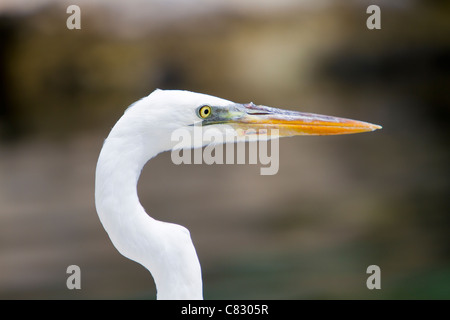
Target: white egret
[{"x": 166, "y": 249}]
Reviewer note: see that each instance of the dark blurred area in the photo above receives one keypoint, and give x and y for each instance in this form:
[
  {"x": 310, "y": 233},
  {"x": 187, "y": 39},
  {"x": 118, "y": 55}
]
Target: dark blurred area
[{"x": 337, "y": 205}]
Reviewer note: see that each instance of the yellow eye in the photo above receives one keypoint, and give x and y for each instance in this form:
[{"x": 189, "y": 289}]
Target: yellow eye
[{"x": 204, "y": 112}]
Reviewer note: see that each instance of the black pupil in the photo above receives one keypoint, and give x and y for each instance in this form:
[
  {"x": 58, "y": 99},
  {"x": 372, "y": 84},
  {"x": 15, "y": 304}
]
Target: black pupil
[{"x": 206, "y": 111}]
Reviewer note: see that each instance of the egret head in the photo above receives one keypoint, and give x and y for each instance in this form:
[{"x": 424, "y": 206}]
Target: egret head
[{"x": 166, "y": 111}]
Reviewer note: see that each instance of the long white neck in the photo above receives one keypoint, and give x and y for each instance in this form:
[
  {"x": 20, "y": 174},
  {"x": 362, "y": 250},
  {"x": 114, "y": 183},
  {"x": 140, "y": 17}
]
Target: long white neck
[{"x": 165, "y": 249}]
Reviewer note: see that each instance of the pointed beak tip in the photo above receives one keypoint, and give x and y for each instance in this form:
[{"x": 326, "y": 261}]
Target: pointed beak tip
[
  {"x": 376, "y": 127},
  {"x": 359, "y": 126}
]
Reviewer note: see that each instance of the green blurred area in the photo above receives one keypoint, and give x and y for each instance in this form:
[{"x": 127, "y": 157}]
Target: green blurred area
[{"x": 338, "y": 204}]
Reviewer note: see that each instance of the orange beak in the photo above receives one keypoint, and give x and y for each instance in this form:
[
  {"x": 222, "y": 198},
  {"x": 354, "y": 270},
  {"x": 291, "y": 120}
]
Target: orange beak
[{"x": 292, "y": 123}]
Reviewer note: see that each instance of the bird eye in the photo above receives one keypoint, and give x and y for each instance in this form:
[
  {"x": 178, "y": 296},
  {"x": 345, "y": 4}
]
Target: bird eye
[{"x": 204, "y": 112}]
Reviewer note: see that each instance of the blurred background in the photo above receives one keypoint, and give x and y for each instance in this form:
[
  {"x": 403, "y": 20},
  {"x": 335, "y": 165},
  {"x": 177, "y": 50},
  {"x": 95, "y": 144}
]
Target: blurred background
[{"x": 337, "y": 205}]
